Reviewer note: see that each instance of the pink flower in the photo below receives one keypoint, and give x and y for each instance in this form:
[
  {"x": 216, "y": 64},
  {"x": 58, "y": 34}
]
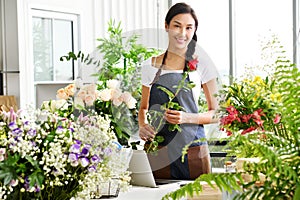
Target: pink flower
[
  {"x": 258, "y": 113},
  {"x": 252, "y": 128},
  {"x": 259, "y": 122},
  {"x": 89, "y": 100},
  {"x": 277, "y": 119},
  {"x": 81, "y": 94}
]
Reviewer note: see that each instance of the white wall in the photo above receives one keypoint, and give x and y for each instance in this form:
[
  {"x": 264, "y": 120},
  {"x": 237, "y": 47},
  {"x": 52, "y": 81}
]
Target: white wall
[
  {"x": 93, "y": 18},
  {"x": 18, "y": 47}
]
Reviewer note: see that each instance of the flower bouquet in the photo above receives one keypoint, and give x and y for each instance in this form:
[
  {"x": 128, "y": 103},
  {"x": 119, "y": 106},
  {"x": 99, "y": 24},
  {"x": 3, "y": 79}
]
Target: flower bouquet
[
  {"x": 249, "y": 105},
  {"x": 106, "y": 99},
  {"x": 47, "y": 156}
]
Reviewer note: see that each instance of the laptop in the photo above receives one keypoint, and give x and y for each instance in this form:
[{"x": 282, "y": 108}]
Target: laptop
[{"x": 141, "y": 173}]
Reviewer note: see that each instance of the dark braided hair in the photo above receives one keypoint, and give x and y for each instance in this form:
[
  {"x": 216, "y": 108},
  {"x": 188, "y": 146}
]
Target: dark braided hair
[{"x": 180, "y": 8}]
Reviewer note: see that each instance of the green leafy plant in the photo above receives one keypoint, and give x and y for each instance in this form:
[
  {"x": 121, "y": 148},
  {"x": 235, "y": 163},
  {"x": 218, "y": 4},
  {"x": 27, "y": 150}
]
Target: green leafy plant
[
  {"x": 156, "y": 118},
  {"x": 121, "y": 60},
  {"x": 276, "y": 172}
]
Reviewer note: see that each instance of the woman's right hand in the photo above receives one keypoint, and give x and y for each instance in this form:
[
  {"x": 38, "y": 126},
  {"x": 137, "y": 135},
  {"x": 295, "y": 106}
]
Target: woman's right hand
[{"x": 146, "y": 132}]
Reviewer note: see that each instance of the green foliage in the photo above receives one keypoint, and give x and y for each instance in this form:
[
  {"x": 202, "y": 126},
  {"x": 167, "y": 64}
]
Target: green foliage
[
  {"x": 156, "y": 117},
  {"x": 222, "y": 181},
  {"x": 121, "y": 59},
  {"x": 277, "y": 174},
  {"x": 81, "y": 57}
]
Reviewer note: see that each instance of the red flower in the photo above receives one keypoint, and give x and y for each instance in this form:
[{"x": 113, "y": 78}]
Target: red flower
[
  {"x": 246, "y": 118},
  {"x": 277, "y": 119},
  {"x": 192, "y": 64},
  {"x": 248, "y": 130}
]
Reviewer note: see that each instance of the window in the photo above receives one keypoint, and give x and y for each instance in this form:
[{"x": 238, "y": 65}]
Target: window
[
  {"x": 255, "y": 22},
  {"x": 54, "y": 35}
]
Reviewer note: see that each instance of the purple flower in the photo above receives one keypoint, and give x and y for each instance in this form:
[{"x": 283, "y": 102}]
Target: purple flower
[
  {"x": 26, "y": 123},
  {"x": 84, "y": 162},
  {"x": 13, "y": 115},
  {"x": 84, "y": 152},
  {"x": 12, "y": 125},
  {"x": 71, "y": 129},
  {"x": 2, "y": 150},
  {"x": 78, "y": 141},
  {"x": 73, "y": 157},
  {"x": 31, "y": 132},
  {"x": 107, "y": 151},
  {"x": 59, "y": 129},
  {"x": 95, "y": 159},
  {"x": 33, "y": 143},
  {"x": 92, "y": 168},
  {"x": 17, "y": 132},
  {"x": 13, "y": 183},
  {"x": 75, "y": 148},
  {"x": 37, "y": 189}
]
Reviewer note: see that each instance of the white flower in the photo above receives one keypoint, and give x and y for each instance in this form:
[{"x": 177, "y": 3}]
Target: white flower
[
  {"x": 78, "y": 83},
  {"x": 131, "y": 103},
  {"x": 2, "y": 151},
  {"x": 78, "y": 102},
  {"x": 61, "y": 104},
  {"x": 45, "y": 105},
  {"x": 105, "y": 94},
  {"x": 113, "y": 84},
  {"x": 117, "y": 101},
  {"x": 116, "y": 94}
]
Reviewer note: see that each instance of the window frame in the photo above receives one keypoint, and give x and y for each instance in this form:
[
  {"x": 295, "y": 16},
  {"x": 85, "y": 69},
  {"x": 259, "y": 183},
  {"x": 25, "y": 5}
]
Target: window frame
[{"x": 56, "y": 15}]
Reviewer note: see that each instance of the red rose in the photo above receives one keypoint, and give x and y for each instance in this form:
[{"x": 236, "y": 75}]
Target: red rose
[{"x": 192, "y": 64}]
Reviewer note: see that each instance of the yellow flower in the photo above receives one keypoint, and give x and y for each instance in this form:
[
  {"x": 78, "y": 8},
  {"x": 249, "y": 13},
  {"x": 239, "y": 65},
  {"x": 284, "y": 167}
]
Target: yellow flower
[
  {"x": 275, "y": 97},
  {"x": 228, "y": 103},
  {"x": 2, "y": 134}
]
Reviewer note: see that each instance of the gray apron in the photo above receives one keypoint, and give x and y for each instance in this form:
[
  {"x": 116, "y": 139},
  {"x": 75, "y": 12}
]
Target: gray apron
[{"x": 167, "y": 163}]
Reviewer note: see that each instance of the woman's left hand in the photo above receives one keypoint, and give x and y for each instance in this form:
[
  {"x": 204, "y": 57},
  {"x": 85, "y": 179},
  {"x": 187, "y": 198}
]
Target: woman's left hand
[{"x": 174, "y": 116}]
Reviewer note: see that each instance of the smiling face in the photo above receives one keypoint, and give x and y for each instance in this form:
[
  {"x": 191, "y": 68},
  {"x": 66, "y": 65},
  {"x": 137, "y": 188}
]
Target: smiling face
[{"x": 180, "y": 31}]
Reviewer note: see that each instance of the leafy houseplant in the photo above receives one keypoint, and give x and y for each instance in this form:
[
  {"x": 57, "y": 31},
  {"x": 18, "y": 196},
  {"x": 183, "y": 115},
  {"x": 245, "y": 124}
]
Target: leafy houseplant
[
  {"x": 273, "y": 141},
  {"x": 121, "y": 61}
]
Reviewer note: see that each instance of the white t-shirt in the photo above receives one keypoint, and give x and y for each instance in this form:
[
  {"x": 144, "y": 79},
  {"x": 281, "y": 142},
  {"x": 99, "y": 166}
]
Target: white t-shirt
[{"x": 205, "y": 72}]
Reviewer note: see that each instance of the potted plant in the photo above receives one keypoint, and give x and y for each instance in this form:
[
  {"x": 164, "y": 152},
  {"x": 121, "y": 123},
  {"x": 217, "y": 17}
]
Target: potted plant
[{"x": 262, "y": 119}]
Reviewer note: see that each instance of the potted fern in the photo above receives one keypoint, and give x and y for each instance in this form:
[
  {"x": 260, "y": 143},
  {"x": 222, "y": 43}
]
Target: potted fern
[{"x": 263, "y": 121}]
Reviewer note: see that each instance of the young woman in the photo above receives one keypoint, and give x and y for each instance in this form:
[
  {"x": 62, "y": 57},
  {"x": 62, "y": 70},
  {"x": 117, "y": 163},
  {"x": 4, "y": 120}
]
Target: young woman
[{"x": 166, "y": 70}]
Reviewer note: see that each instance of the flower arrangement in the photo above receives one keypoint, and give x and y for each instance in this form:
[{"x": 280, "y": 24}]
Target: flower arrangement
[
  {"x": 121, "y": 64},
  {"x": 45, "y": 155},
  {"x": 249, "y": 105},
  {"x": 110, "y": 101}
]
